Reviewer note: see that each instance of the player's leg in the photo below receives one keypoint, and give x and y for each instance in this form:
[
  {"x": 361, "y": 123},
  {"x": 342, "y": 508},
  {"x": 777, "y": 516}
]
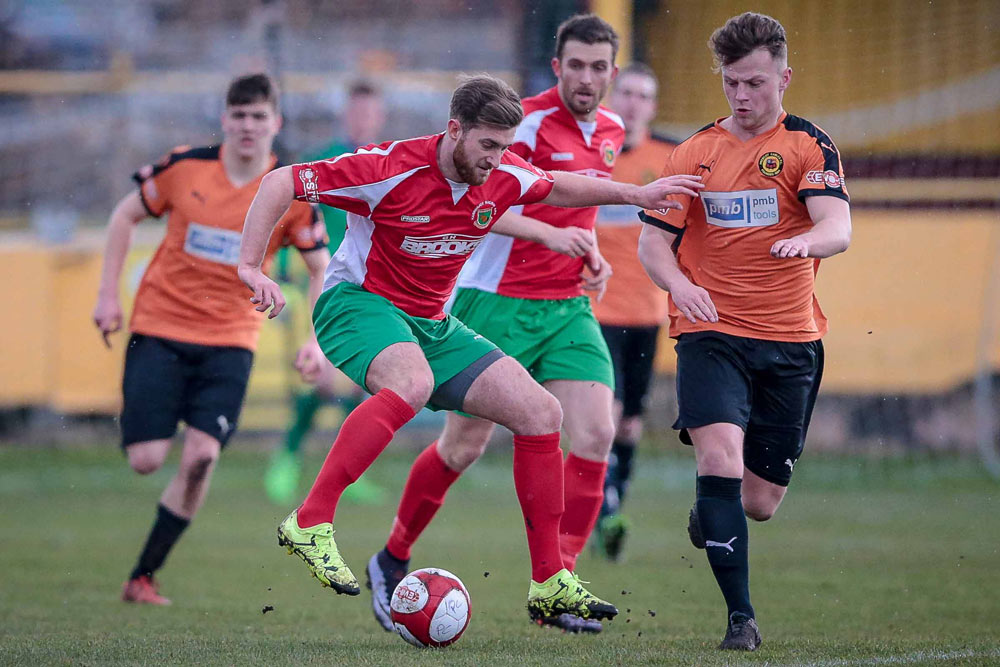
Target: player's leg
[
  {"x": 152, "y": 387},
  {"x": 506, "y": 394},
  {"x": 461, "y": 442},
  {"x": 713, "y": 395}
]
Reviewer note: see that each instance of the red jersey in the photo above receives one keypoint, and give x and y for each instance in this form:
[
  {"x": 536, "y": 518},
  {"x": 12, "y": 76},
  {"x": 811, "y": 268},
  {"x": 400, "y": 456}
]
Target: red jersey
[
  {"x": 190, "y": 292},
  {"x": 754, "y": 195},
  {"x": 631, "y": 299},
  {"x": 550, "y": 138},
  {"x": 410, "y": 229}
]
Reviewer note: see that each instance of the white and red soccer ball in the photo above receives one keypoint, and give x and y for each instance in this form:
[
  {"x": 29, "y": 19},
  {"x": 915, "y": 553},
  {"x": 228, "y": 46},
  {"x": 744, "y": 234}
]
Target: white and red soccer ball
[{"x": 430, "y": 607}]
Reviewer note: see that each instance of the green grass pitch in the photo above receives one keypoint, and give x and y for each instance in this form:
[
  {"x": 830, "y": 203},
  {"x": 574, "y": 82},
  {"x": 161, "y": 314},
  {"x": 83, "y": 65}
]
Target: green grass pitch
[{"x": 866, "y": 563}]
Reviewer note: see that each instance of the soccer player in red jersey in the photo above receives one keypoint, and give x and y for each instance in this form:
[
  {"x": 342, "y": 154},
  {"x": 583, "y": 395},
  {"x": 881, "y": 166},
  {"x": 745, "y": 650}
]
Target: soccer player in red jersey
[
  {"x": 740, "y": 264},
  {"x": 416, "y": 209},
  {"x": 193, "y": 334},
  {"x": 529, "y": 300}
]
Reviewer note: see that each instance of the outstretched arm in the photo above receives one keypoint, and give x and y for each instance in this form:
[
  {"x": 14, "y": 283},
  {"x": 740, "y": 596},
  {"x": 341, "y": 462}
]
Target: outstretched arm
[
  {"x": 572, "y": 241},
  {"x": 574, "y": 190},
  {"x": 275, "y": 195}
]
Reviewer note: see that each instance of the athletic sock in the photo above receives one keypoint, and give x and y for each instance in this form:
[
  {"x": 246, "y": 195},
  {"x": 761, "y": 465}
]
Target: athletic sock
[
  {"x": 166, "y": 531},
  {"x": 617, "y": 478},
  {"x": 584, "y": 492},
  {"x": 538, "y": 480},
  {"x": 306, "y": 406},
  {"x": 426, "y": 486},
  {"x": 724, "y": 527},
  {"x": 362, "y": 437}
]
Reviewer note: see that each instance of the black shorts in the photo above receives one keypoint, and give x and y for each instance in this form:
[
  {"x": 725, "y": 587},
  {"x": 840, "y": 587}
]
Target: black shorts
[
  {"x": 166, "y": 381},
  {"x": 767, "y": 388},
  {"x": 632, "y": 352}
]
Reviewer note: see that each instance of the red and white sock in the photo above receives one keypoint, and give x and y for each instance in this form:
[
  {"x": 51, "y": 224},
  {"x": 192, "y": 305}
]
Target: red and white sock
[
  {"x": 426, "y": 486},
  {"x": 538, "y": 480},
  {"x": 584, "y": 481},
  {"x": 362, "y": 437}
]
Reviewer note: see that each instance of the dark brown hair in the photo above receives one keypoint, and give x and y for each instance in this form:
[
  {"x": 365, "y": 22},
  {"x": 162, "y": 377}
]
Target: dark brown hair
[
  {"x": 250, "y": 89},
  {"x": 486, "y": 100},
  {"x": 362, "y": 88},
  {"x": 589, "y": 29},
  {"x": 744, "y": 34}
]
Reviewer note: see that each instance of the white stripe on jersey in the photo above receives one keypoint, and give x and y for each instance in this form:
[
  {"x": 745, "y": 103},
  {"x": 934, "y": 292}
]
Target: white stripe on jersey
[
  {"x": 527, "y": 131},
  {"x": 525, "y": 177},
  {"x": 372, "y": 193},
  {"x": 372, "y": 151},
  {"x": 350, "y": 262},
  {"x": 487, "y": 263},
  {"x": 611, "y": 115}
]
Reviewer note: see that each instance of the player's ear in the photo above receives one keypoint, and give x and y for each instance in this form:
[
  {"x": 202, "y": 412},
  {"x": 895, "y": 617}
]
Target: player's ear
[
  {"x": 786, "y": 78},
  {"x": 556, "y": 67},
  {"x": 454, "y": 129}
]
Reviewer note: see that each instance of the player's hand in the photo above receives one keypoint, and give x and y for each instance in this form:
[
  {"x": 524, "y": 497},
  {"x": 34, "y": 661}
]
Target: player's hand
[
  {"x": 266, "y": 293},
  {"x": 309, "y": 361},
  {"x": 693, "y": 302},
  {"x": 108, "y": 317},
  {"x": 654, "y": 195},
  {"x": 572, "y": 241},
  {"x": 793, "y": 247},
  {"x": 600, "y": 273}
]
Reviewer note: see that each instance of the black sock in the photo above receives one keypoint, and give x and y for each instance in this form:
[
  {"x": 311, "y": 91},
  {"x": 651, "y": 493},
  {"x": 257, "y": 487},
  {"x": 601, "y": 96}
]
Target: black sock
[
  {"x": 166, "y": 531},
  {"x": 398, "y": 566},
  {"x": 624, "y": 452},
  {"x": 724, "y": 527}
]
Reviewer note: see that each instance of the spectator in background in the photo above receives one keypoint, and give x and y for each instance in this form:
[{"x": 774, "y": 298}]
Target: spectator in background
[
  {"x": 633, "y": 307},
  {"x": 363, "y": 120}
]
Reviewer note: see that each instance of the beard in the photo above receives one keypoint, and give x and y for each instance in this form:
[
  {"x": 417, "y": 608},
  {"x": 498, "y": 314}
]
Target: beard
[{"x": 465, "y": 167}]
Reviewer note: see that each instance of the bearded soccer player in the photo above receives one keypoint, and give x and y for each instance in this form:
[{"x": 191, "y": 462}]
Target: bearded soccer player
[
  {"x": 193, "y": 334},
  {"x": 416, "y": 209},
  {"x": 530, "y": 302},
  {"x": 740, "y": 267},
  {"x": 633, "y": 307}
]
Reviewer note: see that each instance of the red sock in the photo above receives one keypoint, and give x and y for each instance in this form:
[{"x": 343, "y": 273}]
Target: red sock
[
  {"x": 426, "y": 486},
  {"x": 538, "y": 480},
  {"x": 362, "y": 437},
  {"x": 584, "y": 495}
]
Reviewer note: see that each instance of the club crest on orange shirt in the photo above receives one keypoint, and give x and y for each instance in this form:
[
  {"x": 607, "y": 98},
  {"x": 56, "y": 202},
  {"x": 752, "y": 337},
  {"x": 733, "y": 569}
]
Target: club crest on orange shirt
[
  {"x": 608, "y": 152},
  {"x": 483, "y": 214},
  {"x": 770, "y": 164}
]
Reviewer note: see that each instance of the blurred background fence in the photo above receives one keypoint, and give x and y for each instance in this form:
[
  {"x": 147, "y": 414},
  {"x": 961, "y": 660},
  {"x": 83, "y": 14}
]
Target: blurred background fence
[{"x": 910, "y": 92}]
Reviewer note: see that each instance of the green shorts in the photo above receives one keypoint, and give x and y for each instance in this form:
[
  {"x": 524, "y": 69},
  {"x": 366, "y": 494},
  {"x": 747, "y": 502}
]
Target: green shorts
[
  {"x": 555, "y": 339},
  {"x": 353, "y": 325}
]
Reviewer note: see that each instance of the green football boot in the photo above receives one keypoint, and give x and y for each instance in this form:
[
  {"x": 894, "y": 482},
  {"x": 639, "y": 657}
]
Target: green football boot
[
  {"x": 315, "y": 546},
  {"x": 563, "y": 593},
  {"x": 281, "y": 481}
]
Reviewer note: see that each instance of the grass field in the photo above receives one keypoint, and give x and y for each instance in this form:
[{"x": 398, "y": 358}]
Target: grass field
[{"x": 866, "y": 563}]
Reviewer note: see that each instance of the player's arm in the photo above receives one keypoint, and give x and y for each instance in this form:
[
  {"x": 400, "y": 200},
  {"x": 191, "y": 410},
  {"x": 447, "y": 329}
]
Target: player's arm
[
  {"x": 572, "y": 241},
  {"x": 599, "y": 270},
  {"x": 656, "y": 253},
  {"x": 575, "y": 190},
  {"x": 830, "y": 234},
  {"x": 310, "y": 358},
  {"x": 121, "y": 225},
  {"x": 273, "y": 198}
]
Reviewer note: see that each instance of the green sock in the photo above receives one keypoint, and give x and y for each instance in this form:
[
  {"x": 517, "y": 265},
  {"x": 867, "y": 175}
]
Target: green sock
[{"x": 306, "y": 406}]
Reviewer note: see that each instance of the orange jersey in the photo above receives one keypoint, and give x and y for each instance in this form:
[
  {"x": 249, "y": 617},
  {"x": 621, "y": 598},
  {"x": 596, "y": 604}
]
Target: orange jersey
[
  {"x": 190, "y": 292},
  {"x": 754, "y": 195},
  {"x": 631, "y": 300}
]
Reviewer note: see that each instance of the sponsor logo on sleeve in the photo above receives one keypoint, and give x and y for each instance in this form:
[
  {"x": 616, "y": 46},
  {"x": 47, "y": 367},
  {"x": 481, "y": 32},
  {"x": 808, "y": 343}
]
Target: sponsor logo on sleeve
[
  {"x": 608, "y": 153},
  {"x": 770, "y": 164},
  {"x": 216, "y": 245},
  {"x": 483, "y": 214},
  {"x": 829, "y": 178},
  {"x": 309, "y": 186},
  {"x": 440, "y": 245},
  {"x": 746, "y": 208}
]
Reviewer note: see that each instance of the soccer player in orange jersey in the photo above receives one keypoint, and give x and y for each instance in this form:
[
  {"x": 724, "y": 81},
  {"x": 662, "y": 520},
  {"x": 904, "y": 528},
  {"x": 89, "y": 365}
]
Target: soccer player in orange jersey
[
  {"x": 193, "y": 328},
  {"x": 633, "y": 307},
  {"x": 739, "y": 263}
]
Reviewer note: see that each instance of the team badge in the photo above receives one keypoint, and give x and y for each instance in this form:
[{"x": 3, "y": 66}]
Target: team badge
[
  {"x": 483, "y": 214},
  {"x": 770, "y": 164},
  {"x": 608, "y": 152}
]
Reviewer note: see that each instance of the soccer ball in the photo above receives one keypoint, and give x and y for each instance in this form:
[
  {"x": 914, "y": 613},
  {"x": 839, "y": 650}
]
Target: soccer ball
[{"x": 430, "y": 607}]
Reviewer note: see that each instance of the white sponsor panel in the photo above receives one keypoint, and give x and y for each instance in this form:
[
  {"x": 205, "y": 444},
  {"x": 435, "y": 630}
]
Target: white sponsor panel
[
  {"x": 744, "y": 208},
  {"x": 440, "y": 245},
  {"x": 618, "y": 215},
  {"x": 213, "y": 244}
]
